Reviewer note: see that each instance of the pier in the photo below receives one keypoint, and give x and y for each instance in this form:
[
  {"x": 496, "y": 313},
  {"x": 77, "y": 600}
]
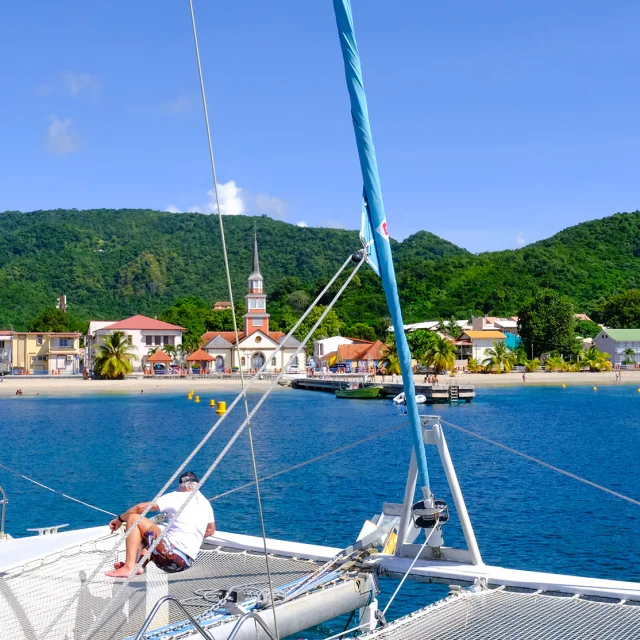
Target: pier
[{"x": 434, "y": 393}]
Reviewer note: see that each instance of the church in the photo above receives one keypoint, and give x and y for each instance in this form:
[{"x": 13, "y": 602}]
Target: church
[{"x": 257, "y": 344}]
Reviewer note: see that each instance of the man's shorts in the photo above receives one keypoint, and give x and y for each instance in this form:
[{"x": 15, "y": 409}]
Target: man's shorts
[{"x": 166, "y": 556}]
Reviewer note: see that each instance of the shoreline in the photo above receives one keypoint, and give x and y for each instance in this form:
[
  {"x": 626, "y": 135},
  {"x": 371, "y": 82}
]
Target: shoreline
[{"x": 61, "y": 386}]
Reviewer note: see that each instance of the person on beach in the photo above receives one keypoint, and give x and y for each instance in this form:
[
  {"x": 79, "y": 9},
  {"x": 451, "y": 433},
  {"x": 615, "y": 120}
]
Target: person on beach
[
  {"x": 181, "y": 543},
  {"x": 524, "y": 376}
]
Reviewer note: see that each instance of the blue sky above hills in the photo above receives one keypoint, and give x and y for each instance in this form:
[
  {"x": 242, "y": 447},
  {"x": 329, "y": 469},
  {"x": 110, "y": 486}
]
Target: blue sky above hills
[{"x": 496, "y": 124}]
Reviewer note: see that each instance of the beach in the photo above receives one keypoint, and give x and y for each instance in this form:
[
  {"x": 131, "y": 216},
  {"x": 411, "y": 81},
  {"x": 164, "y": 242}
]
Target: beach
[{"x": 61, "y": 386}]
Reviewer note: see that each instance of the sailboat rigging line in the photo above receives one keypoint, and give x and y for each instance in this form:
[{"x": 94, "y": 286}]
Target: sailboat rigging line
[
  {"x": 404, "y": 577},
  {"x": 115, "y": 600},
  {"x": 542, "y": 463},
  {"x": 233, "y": 313},
  {"x": 211, "y": 431},
  {"x": 299, "y": 465},
  {"x": 64, "y": 495}
]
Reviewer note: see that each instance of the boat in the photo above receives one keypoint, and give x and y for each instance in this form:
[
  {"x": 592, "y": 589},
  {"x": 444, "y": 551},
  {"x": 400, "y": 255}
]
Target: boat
[
  {"x": 360, "y": 392},
  {"x": 400, "y": 398},
  {"x": 253, "y": 587}
]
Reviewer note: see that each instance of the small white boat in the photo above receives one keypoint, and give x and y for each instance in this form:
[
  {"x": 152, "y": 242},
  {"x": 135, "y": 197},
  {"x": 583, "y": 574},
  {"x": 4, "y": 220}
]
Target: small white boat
[{"x": 400, "y": 399}]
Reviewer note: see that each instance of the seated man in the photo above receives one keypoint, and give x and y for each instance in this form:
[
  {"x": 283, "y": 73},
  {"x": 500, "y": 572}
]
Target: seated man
[{"x": 181, "y": 543}]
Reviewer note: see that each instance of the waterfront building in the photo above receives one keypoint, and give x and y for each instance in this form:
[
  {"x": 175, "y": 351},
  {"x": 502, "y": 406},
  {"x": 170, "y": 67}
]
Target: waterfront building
[
  {"x": 475, "y": 343},
  {"x": 616, "y": 342},
  {"x": 222, "y": 306},
  {"x": 330, "y": 345},
  {"x": 257, "y": 343},
  {"x": 143, "y": 334},
  {"x": 359, "y": 358},
  {"x": 6, "y": 344},
  {"x": 44, "y": 353}
]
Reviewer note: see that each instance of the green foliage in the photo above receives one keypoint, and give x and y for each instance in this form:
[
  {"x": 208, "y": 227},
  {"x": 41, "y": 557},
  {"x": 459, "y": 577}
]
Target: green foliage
[
  {"x": 587, "y": 328},
  {"x": 499, "y": 358},
  {"x": 390, "y": 361},
  {"x": 330, "y": 326},
  {"x": 546, "y": 323},
  {"x": 114, "y": 356},
  {"x": 532, "y": 365},
  {"x": 52, "y": 319},
  {"x": 440, "y": 354},
  {"x": 115, "y": 263},
  {"x": 621, "y": 311},
  {"x": 594, "y": 360},
  {"x": 473, "y": 365},
  {"x": 360, "y": 330},
  {"x": 419, "y": 343}
]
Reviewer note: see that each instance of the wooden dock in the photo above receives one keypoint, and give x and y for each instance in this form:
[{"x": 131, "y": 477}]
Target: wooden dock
[{"x": 438, "y": 393}]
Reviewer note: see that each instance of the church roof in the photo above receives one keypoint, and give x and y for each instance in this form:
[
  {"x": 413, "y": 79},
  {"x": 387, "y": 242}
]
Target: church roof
[
  {"x": 229, "y": 338},
  {"x": 288, "y": 342},
  {"x": 255, "y": 274}
]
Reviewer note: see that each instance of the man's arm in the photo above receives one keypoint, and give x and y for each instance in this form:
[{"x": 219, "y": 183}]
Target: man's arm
[
  {"x": 137, "y": 509},
  {"x": 211, "y": 529}
]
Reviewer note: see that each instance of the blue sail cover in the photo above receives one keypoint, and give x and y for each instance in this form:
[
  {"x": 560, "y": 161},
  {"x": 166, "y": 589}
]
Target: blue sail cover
[
  {"x": 375, "y": 221},
  {"x": 367, "y": 239}
]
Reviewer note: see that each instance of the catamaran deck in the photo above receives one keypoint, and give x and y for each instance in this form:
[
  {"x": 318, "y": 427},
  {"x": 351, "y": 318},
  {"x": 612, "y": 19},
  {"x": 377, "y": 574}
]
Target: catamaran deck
[{"x": 516, "y": 615}]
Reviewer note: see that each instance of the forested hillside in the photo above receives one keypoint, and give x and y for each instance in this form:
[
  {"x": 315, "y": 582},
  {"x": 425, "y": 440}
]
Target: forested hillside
[{"x": 114, "y": 263}]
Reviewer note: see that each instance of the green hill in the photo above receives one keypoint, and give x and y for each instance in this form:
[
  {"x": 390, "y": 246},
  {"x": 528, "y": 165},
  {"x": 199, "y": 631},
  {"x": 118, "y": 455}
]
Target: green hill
[{"x": 112, "y": 263}]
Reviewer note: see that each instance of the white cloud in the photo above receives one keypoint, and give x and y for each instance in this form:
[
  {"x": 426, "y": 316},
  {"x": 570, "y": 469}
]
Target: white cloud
[
  {"x": 230, "y": 199},
  {"x": 179, "y": 105},
  {"x": 61, "y": 139},
  {"x": 520, "y": 241},
  {"x": 78, "y": 83},
  {"x": 302, "y": 223},
  {"x": 172, "y": 209},
  {"x": 335, "y": 224},
  {"x": 235, "y": 201},
  {"x": 73, "y": 84}
]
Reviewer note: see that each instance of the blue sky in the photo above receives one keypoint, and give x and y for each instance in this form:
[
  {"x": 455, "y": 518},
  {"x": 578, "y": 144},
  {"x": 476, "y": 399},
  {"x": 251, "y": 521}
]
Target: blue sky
[{"x": 496, "y": 123}]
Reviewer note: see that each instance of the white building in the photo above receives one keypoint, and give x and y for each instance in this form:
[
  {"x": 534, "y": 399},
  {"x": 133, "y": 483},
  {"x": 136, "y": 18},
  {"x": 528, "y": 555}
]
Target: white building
[
  {"x": 479, "y": 342},
  {"x": 257, "y": 344},
  {"x": 6, "y": 342},
  {"x": 616, "y": 341},
  {"x": 330, "y": 345},
  {"x": 143, "y": 333}
]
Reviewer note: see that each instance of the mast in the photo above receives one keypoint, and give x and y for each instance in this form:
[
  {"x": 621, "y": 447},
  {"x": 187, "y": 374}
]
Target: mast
[{"x": 375, "y": 214}]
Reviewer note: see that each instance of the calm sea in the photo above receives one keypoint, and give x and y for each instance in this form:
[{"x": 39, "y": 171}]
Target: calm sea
[{"x": 115, "y": 450}]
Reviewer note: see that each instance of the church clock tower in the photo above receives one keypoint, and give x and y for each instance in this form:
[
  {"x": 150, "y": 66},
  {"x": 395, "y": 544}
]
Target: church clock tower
[{"x": 256, "y": 318}]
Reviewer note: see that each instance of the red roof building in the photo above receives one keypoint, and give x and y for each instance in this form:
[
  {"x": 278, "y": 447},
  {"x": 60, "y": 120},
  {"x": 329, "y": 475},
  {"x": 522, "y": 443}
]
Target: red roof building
[{"x": 142, "y": 323}]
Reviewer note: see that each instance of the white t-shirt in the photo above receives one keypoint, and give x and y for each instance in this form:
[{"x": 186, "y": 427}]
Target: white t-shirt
[{"x": 187, "y": 532}]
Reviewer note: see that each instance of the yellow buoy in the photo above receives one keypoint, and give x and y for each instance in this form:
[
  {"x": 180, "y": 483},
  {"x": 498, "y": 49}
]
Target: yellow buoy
[
  {"x": 197, "y": 398},
  {"x": 638, "y": 390},
  {"x": 190, "y": 396},
  {"x": 595, "y": 388},
  {"x": 212, "y": 403},
  {"x": 564, "y": 386},
  {"x": 222, "y": 407}
]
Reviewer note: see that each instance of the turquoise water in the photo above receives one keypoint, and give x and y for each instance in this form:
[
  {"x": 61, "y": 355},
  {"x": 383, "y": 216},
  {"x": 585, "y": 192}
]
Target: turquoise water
[{"x": 115, "y": 450}]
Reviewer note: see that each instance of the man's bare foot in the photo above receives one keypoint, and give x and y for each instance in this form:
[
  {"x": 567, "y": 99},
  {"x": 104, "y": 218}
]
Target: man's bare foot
[{"x": 123, "y": 572}]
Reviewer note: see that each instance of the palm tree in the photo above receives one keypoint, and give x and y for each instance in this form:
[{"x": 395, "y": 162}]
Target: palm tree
[
  {"x": 114, "y": 357},
  {"x": 596, "y": 360},
  {"x": 440, "y": 354},
  {"x": 390, "y": 360},
  {"x": 555, "y": 363},
  {"x": 532, "y": 365},
  {"x": 170, "y": 350},
  {"x": 190, "y": 342},
  {"x": 630, "y": 354},
  {"x": 499, "y": 358},
  {"x": 473, "y": 365}
]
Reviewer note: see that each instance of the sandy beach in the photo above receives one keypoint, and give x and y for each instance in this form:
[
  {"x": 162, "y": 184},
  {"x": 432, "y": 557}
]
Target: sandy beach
[{"x": 61, "y": 386}]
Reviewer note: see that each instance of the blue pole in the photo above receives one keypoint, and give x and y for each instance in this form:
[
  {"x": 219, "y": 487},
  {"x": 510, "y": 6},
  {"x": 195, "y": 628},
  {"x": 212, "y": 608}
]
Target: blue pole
[{"x": 377, "y": 218}]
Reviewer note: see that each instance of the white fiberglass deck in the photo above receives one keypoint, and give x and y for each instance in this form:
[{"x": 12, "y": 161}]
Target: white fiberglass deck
[{"x": 462, "y": 573}]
